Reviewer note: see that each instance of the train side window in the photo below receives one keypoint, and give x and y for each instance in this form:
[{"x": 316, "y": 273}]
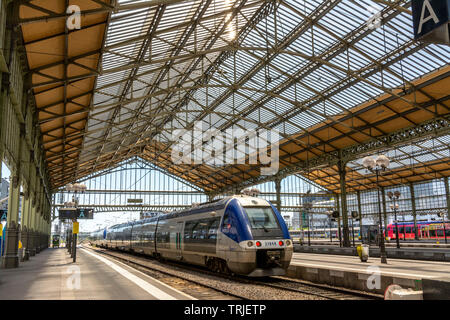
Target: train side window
[
  {"x": 196, "y": 231},
  {"x": 432, "y": 233},
  {"x": 212, "y": 230},
  {"x": 188, "y": 230},
  {"x": 203, "y": 229},
  {"x": 408, "y": 229}
]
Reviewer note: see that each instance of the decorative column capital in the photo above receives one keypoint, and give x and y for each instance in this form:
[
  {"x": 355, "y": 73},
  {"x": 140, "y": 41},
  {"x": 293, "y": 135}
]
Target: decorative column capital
[{"x": 15, "y": 181}]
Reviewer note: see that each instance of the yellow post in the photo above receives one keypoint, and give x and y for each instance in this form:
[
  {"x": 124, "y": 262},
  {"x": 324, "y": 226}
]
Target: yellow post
[{"x": 76, "y": 227}]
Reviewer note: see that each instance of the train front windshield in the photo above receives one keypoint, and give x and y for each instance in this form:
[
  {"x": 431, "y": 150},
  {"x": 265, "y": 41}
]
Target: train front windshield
[{"x": 262, "y": 218}]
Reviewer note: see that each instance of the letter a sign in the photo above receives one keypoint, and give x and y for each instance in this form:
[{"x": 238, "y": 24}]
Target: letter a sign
[{"x": 431, "y": 20}]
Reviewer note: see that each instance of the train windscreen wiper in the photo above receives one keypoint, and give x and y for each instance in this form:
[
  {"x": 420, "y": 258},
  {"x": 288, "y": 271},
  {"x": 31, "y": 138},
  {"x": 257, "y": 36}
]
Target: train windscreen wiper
[{"x": 264, "y": 227}]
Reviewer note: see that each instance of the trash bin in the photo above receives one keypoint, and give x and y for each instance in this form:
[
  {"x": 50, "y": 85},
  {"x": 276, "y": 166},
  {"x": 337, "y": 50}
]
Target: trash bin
[{"x": 363, "y": 252}]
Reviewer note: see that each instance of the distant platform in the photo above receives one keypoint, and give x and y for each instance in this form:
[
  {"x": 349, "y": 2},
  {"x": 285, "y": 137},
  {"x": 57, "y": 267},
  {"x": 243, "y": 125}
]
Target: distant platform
[
  {"x": 51, "y": 275},
  {"x": 409, "y": 253},
  {"x": 389, "y": 244},
  {"x": 350, "y": 272}
]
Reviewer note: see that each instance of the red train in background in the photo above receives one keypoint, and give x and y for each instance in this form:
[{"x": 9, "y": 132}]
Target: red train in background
[{"x": 431, "y": 230}]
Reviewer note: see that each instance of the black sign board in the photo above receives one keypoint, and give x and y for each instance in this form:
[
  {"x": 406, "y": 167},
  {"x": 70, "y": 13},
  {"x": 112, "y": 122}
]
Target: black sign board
[
  {"x": 431, "y": 19},
  {"x": 76, "y": 213},
  {"x": 134, "y": 200},
  {"x": 3, "y": 215}
]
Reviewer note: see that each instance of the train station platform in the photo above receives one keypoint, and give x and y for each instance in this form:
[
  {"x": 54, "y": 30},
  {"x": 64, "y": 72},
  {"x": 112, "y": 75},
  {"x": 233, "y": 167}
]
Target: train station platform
[
  {"x": 52, "y": 275},
  {"x": 410, "y": 253},
  {"x": 371, "y": 276}
]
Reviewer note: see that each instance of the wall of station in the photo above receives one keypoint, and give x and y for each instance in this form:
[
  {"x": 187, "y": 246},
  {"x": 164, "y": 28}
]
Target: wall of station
[{"x": 20, "y": 144}]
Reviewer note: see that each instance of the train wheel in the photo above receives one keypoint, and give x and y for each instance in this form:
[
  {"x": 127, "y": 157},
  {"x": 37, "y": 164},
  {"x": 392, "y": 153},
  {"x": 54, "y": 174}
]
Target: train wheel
[
  {"x": 223, "y": 267},
  {"x": 210, "y": 264},
  {"x": 215, "y": 265}
]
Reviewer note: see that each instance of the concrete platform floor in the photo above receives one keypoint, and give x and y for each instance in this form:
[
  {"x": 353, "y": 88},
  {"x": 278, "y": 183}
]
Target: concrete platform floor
[
  {"x": 411, "y": 269},
  {"x": 51, "y": 275}
]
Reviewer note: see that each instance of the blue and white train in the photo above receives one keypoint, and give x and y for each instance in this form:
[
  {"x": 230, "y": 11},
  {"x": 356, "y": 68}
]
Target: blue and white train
[{"x": 238, "y": 234}]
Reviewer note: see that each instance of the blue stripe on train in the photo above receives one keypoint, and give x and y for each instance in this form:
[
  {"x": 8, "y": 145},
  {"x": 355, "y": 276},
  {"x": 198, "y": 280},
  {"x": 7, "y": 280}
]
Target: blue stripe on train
[
  {"x": 281, "y": 222},
  {"x": 240, "y": 225}
]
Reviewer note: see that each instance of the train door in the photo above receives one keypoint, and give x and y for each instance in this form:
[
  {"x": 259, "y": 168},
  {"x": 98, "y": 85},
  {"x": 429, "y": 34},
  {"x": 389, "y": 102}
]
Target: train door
[
  {"x": 425, "y": 234},
  {"x": 432, "y": 233},
  {"x": 408, "y": 232},
  {"x": 179, "y": 240}
]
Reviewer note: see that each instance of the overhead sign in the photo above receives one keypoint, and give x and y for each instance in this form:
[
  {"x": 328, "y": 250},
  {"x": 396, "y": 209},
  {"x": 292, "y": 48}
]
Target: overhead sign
[
  {"x": 76, "y": 213},
  {"x": 3, "y": 215},
  {"x": 134, "y": 200},
  {"x": 431, "y": 19}
]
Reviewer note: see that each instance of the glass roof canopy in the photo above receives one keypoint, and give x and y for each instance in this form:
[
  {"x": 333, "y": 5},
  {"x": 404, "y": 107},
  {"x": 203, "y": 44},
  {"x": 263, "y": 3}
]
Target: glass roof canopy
[{"x": 326, "y": 74}]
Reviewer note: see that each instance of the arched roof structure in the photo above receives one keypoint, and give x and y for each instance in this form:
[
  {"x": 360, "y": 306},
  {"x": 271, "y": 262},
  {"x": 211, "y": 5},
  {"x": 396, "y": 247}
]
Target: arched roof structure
[{"x": 338, "y": 79}]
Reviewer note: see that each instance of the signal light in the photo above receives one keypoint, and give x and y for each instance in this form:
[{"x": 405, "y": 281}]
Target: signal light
[
  {"x": 258, "y": 244},
  {"x": 281, "y": 243}
]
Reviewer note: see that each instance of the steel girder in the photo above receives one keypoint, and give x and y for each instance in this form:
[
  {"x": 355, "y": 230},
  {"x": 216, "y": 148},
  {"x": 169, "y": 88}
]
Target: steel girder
[{"x": 435, "y": 127}]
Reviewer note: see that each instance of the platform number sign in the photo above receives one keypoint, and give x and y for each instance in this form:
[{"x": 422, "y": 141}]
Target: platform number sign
[
  {"x": 431, "y": 20},
  {"x": 81, "y": 214},
  {"x": 3, "y": 215}
]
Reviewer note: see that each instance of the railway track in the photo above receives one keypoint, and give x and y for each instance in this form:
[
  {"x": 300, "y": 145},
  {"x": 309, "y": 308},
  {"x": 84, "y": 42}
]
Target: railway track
[{"x": 321, "y": 292}]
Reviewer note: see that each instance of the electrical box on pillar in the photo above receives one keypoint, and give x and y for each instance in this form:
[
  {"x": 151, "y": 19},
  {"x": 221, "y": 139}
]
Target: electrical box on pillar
[
  {"x": 75, "y": 230},
  {"x": 76, "y": 227}
]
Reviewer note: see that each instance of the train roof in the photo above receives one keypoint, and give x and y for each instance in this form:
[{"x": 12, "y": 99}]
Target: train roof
[
  {"x": 418, "y": 222},
  {"x": 218, "y": 204}
]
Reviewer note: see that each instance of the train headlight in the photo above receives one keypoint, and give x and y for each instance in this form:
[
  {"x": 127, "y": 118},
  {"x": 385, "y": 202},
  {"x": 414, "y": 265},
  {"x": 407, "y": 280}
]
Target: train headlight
[
  {"x": 288, "y": 242},
  {"x": 250, "y": 243},
  {"x": 258, "y": 244}
]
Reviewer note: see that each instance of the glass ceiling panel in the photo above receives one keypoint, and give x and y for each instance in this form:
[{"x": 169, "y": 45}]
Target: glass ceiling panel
[
  {"x": 329, "y": 66},
  {"x": 415, "y": 154}
]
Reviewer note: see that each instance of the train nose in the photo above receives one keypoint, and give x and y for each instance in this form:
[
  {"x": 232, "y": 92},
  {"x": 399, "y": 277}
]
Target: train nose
[{"x": 268, "y": 258}]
